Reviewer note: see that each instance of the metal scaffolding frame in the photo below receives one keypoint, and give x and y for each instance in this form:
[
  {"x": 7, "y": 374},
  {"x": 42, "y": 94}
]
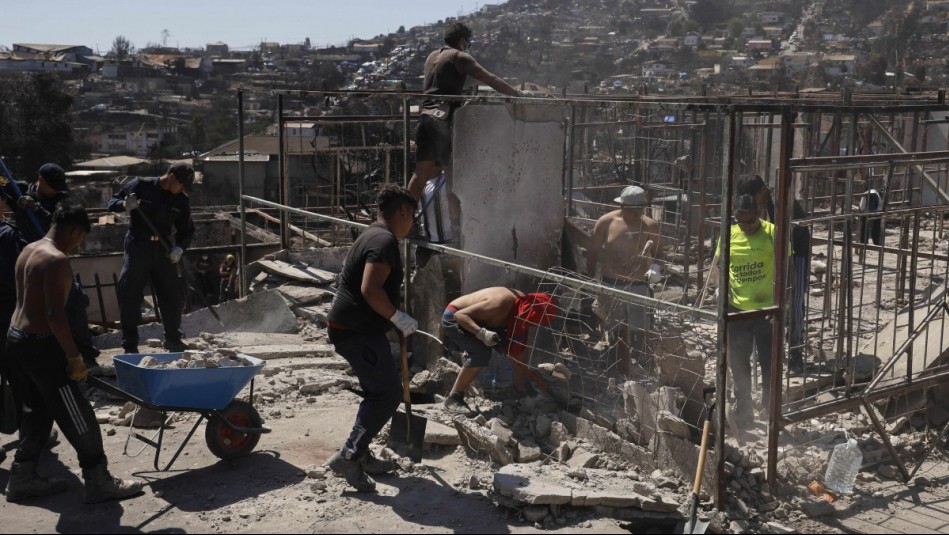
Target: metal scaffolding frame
[{"x": 823, "y": 150}]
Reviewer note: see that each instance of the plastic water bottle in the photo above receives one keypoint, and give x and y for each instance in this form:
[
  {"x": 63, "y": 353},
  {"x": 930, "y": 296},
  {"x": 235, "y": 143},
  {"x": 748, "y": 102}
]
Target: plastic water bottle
[{"x": 843, "y": 467}]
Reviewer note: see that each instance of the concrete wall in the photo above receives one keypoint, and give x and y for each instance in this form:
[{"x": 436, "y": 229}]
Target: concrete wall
[{"x": 507, "y": 172}]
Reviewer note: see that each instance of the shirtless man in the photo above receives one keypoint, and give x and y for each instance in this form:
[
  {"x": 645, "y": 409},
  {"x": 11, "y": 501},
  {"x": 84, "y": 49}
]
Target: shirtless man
[
  {"x": 496, "y": 316},
  {"x": 46, "y": 366},
  {"x": 626, "y": 243}
]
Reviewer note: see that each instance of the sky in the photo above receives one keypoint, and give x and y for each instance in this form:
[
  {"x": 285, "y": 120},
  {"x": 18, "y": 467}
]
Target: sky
[{"x": 239, "y": 23}]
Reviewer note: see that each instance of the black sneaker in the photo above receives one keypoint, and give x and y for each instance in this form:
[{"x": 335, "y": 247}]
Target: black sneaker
[
  {"x": 458, "y": 406},
  {"x": 352, "y": 471},
  {"x": 130, "y": 350}
]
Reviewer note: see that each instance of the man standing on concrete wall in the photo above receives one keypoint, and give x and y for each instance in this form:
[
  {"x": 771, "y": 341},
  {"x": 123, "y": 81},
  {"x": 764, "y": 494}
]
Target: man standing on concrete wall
[
  {"x": 446, "y": 70},
  {"x": 625, "y": 243}
]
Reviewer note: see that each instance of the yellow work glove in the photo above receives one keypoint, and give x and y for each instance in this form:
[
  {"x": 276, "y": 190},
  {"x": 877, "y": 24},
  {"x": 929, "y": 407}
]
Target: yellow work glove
[{"x": 76, "y": 369}]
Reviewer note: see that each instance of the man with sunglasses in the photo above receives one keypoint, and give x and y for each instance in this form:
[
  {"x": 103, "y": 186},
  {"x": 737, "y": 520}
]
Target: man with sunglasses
[
  {"x": 750, "y": 287},
  {"x": 150, "y": 258}
]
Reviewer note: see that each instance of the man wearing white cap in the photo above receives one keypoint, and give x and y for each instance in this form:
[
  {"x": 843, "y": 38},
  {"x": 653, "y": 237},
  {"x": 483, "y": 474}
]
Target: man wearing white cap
[{"x": 625, "y": 243}]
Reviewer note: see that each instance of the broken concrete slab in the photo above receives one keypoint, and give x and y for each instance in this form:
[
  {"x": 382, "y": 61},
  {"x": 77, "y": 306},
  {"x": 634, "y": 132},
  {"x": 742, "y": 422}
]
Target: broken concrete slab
[
  {"x": 670, "y": 423},
  {"x": 551, "y": 485},
  {"x": 582, "y": 458},
  {"x": 276, "y": 351},
  {"x": 479, "y": 439},
  {"x": 323, "y": 385},
  {"x": 440, "y": 434},
  {"x": 303, "y": 295},
  {"x": 298, "y": 272},
  {"x": 317, "y": 313}
]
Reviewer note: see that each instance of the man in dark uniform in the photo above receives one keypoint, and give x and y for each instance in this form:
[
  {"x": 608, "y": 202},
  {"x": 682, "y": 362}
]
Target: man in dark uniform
[
  {"x": 446, "y": 70},
  {"x": 364, "y": 309},
  {"x": 33, "y": 212},
  {"x": 151, "y": 257},
  {"x": 11, "y": 243}
]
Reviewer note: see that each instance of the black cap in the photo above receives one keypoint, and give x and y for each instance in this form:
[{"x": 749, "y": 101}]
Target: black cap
[
  {"x": 184, "y": 173},
  {"x": 54, "y": 176}
]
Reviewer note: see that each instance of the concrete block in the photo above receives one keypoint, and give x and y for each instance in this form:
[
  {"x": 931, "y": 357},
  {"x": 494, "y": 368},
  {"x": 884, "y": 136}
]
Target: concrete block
[
  {"x": 504, "y": 434},
  {"x": 436, "y": 433},
  {"x": 524, "y": 485},
  {"x": 528, "y": 451},
  {"x": 582, "y": 458},
  {"x": 481, "y": 440},
  {"x": 670, "y": 423}
]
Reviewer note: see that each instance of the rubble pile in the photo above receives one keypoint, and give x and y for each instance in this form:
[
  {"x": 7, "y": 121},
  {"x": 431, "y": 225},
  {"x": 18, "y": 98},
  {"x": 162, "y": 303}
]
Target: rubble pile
[{"x": 192, "y": 359}]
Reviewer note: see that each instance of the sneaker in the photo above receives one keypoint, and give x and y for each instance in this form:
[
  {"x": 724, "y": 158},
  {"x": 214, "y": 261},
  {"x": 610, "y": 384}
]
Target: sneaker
[
  {"x": 458, "y": 406},
  {"x": 352, "y": 471},
  {"x": 375, "y": 466},
  {"x": 130, "y": 350}
]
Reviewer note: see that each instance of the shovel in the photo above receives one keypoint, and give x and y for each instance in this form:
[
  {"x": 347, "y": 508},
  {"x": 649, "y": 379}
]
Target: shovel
[
  {"x": 407, "y": 432},
  {"x": 180, "y": 265},
  {"x": 693, "y": 524}
]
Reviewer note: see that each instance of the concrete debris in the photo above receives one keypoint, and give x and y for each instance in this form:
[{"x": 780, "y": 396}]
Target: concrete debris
[
  {"x": 528, "y": 451},
  {"x": 582, "y": 458},
  {"x": 195, "y": 359},
  {"x": 440, "y": 434},
  {"x": 552, "y": 485},
  {"x": 478, "y": 439}
]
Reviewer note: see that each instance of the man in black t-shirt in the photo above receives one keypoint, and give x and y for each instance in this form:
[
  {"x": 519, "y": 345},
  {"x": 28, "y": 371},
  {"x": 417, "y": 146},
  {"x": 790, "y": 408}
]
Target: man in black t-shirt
[{"x": 364, "y": 309}]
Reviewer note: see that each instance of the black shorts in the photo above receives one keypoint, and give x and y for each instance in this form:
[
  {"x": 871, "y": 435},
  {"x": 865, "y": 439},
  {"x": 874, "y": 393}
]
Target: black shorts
[
  {"x": 479, "y": 355},
  {"x": 433, "y": 140}
]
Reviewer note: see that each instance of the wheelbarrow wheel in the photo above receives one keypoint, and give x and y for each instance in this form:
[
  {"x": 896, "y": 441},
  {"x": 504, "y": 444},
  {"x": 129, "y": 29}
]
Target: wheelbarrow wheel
[{"x": 226, "y": 443}]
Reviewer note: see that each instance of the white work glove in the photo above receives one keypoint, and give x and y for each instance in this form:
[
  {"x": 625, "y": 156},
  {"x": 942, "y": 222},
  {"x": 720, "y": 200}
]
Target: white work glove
[
  {"x": 404, "y": 323},
  {"x": 488, "y": 338},
  {"x": 131, "y": 203},
  {"x": 654, "y": 274},
  {"x": 175, "y": 254}
]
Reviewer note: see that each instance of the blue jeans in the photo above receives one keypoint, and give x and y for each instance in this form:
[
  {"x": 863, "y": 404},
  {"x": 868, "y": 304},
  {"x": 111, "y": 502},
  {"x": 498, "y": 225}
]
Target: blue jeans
[{"x": 374, "y": 366}]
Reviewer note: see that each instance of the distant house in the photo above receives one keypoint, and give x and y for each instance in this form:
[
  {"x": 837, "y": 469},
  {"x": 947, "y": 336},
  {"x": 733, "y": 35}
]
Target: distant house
[
  {"x": 65, "y": 59},
  {"x": 742, "y": 62},
  {"x": 759, "y": 44},
  {"x": 771, "y": 17},
  {"x": 269, "y": 47},
  {"x": 218, "y": 49},
  {"x": 797, "y": 62},
  {"x": 224, "y": 67},
  {"x": 658, "y": 69},
  {"x": 366, "y": 50},
  {"x": 838, "y": 64},
  {"x": 692, "y": 39}
]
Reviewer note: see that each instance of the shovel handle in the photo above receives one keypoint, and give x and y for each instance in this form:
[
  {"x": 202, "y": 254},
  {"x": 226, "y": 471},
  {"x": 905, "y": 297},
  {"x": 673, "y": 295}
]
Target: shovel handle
[{"x": 406, "y": 395}]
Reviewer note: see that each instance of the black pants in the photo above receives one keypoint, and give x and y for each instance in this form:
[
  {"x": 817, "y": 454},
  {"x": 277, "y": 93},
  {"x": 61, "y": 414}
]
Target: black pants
[
  {"x": 372, "y": 362},
  {"x": 41, "y": 388},
  {"x": 148, "y": 262}
]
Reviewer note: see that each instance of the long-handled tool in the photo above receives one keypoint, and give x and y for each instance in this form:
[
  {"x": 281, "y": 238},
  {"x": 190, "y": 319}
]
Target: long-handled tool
[
  {"x": 181, "y": 268},
  {"x": 407, "y": 432},
  {"x": 7, "y": 180},
  {"x": 693, "y": 524}
]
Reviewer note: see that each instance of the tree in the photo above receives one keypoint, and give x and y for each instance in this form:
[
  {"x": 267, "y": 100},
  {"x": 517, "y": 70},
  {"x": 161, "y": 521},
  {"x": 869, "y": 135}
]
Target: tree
[
  {"x": 122, "y": 48},
  {"x": 36, "y": 124}
]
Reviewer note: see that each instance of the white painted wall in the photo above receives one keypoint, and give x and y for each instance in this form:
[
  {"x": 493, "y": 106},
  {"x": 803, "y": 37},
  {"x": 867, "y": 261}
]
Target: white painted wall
[{"x": 507, "y": 172}]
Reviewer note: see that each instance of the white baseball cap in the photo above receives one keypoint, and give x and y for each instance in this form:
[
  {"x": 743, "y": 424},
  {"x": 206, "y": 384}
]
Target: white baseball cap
[{"x": 632, "y": 196}]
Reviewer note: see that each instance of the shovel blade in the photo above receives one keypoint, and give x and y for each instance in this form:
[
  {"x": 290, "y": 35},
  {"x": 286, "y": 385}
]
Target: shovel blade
[{"x": 407, "y": 434}]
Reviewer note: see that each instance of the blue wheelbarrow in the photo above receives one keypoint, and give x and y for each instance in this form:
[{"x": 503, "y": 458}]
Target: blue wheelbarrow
[{"x": 234, "y": 425}]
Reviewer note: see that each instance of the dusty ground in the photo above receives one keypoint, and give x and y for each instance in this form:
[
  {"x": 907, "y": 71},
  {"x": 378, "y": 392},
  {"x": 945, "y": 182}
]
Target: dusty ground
[{"x": 269, "y": 491}]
